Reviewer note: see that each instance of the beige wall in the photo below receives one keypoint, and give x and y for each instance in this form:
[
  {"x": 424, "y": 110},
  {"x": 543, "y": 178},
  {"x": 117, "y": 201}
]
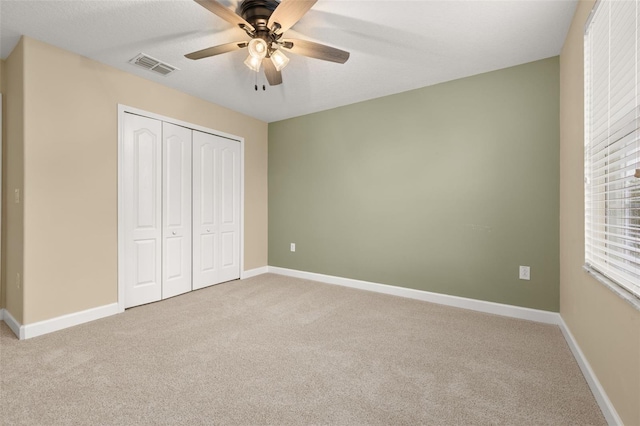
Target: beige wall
[
  {"x": 4, "y": 137},
  {"x": 70, "y": 217},
  {"x": 13, "y": 178},
  {"x": 606, "y": 327}
]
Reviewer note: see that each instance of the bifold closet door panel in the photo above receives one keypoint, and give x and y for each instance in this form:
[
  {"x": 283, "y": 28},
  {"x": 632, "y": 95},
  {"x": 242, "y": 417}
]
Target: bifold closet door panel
[
  {"x": 142, "y": 169},
  {"x": 205, "y": 230},
  {"x": 216, "y": 209},
  {"x": 229, "y": 203},
  {"x": 176, "y": 210}
]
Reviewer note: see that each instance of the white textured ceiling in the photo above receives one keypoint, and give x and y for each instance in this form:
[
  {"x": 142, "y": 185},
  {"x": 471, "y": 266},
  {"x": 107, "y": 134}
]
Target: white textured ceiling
[{"x": 395, "y": 45}]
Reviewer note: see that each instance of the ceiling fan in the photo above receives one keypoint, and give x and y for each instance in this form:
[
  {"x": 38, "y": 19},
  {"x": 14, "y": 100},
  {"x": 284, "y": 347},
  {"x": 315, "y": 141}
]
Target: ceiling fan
[{"x": 266, "y": 21}]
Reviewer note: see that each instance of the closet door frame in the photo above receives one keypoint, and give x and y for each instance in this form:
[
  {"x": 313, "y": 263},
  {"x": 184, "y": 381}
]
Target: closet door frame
[{"x": 122, "y": 110}]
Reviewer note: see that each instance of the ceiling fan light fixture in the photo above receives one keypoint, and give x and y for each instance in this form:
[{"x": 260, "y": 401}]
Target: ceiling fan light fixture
[
  {"x": 258, "y": 48},
  {"x": 279, "y": 60},
  {"x": 265, "y": 22},
  {"x": 253, "y": 63}
]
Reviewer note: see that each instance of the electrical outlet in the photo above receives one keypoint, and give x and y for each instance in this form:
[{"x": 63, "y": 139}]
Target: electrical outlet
[
  {"x": 16, "y": 196},
  {"x": 293, "y": 246},
  {"x": 525, "y": 273},
  {"x": 18, "y": 284}
]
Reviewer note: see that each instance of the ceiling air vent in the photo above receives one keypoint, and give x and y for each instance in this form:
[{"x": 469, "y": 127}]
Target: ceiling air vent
[{"x": 153, "y": 65}]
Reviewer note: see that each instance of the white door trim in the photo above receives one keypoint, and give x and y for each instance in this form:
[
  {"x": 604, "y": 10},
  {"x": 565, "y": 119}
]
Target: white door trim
[{"x": 122, "y": 110}]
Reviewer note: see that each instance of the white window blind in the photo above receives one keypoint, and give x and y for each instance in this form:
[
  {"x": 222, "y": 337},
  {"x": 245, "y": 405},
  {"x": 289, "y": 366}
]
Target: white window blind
[{"x": 612, "y": 142}]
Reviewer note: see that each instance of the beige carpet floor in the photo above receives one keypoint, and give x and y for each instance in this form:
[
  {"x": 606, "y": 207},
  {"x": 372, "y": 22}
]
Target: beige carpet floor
[{"x": 277, "y": 350}]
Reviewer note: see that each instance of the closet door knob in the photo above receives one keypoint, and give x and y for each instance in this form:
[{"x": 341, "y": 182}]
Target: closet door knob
[
  {"x": 174, "y": 232},
  {"x": 207, "y": 230}
]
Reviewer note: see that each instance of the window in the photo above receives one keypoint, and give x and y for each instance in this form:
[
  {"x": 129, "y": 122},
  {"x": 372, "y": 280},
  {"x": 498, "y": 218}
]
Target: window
[{"x": 612, "y": 143}]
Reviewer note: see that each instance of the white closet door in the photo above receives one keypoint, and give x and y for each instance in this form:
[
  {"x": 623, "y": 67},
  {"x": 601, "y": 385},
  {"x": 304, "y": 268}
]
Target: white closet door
[
  {"x": 176, "y": 210},
  {"x": 216, "y": 210},
  {"x": 229, "y": 203},
  {"x": 142, "y": 170}
]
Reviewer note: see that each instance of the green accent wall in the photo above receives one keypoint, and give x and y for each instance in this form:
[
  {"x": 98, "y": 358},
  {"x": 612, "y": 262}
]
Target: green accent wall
[{"x": 447, "y": 189}]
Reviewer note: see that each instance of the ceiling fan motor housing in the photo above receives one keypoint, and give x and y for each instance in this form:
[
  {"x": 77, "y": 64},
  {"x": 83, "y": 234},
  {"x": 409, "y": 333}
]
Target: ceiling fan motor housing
[{"x": 257, "y": 13}]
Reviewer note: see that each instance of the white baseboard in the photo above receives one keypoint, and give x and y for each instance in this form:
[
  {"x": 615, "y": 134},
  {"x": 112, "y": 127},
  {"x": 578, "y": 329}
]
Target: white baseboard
[
  {"x": 254, "y": 272},
  {"x": 608, "y": 410},
  {"x": 13, "y": 324},
  {"x": 65, "y": 321},
  {"x": 482, "y": 306},
  {"x": 441, "y": 299}
]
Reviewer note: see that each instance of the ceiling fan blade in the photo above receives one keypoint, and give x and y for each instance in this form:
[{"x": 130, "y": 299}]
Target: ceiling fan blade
[
  {"x": 274, "y": 77},
  {"x": 289, "y": 12},
  {"x": 224, "y": 13},
  {"x": 316, "y": 50},
  {"x": 217, "y": 50}
]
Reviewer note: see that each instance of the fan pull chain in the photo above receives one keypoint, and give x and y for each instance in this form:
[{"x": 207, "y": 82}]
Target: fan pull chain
[
  {"x": 264, "y": 87},
  {"x": 255, "y": 86}
]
